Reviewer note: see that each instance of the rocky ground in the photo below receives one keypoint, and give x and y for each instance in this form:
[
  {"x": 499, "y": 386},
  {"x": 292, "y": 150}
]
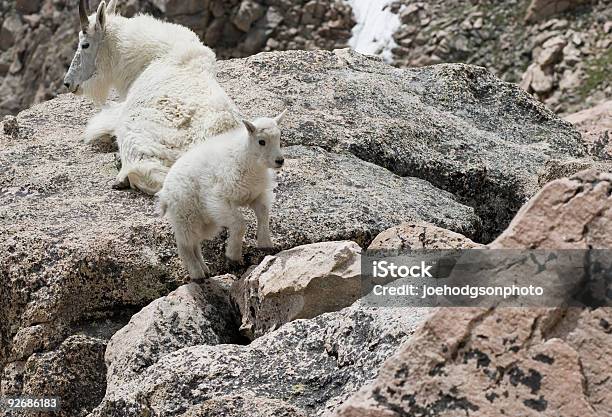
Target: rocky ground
[
  {"x": 38, "y": 37},
  {"x": 526, "y": 361},
  {"x": 96, "y": 310},
  {"x": 557, "y": 49}
]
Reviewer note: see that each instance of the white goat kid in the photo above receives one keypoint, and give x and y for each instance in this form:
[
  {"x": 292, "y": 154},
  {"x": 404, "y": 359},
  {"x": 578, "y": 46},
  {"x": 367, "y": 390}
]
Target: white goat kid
[
  {"x": 166, "y": 79},
  {"x": 206, "y": 187}
]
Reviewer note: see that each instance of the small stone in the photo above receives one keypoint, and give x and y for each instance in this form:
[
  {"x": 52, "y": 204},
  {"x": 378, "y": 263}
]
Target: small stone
[
  {"x": 541, "y": 81},
  {"x": 248, "y": 13},
  {"x": 466, "y": 25},
  {"x": 272, "y": 44},
  {"x": 299, "y": 283},
  {"x": 552, "y": 51},
  {"x": 11, "y": 126},
  {"x": 414, "y": 236},
  {"x": 407, "y": 15},
  {"x": 577, "y": 39},
  {"x": 11, "y": 27},
  {"x": 461, "y": 44},
  {"x": 571, "y": 54},
  {"x": 527, "y": 78},
  {"x": 27, "y": 6},
  {"x": 604, "y": 44}
]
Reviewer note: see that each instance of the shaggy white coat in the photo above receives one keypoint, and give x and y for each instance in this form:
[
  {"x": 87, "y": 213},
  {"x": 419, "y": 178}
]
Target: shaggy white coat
[
  {"x": 206, "y": 187},
  {"x": 171, "y": 98}
]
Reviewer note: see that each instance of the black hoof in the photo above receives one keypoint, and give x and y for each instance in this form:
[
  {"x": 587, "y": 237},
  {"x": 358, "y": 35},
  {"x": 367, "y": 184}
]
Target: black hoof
[
  {"x": 121, "y": 185},
  {"x": 234, "y": 265}
]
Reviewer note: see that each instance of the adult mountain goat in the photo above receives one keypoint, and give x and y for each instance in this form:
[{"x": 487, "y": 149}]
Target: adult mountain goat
[{"x": 165, "y": 78}]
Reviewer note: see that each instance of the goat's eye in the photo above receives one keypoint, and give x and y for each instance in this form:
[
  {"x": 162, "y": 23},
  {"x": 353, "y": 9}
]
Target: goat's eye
[
  {"x": 262, "y": 142},
  {"x": 85, "y": 45}
]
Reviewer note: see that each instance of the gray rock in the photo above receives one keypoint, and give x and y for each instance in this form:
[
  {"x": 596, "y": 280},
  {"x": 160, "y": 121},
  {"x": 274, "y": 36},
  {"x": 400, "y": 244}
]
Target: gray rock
[
  {"x": 27, "y": 6},
  {"x": 542, "y": 81},
  {"x": 188, "y": 316},
  {"x": 555, "y": 169},
  {"x": 457, "y": 126},
  {"x": 552, "y": 51},
  {"x": 311, "y": 364},
  {"x": 324, "y": 196},
  {"x": 541, "y": 9},
  {"x": 247, "y": 13},
  {"x": 74, "y": 372},
  {"x": 76, "y": 250},
  {"x": 243, "y": 405},
  {"x": 10, "y": 126},
  {"x": 180, "y": 7},
  {"x": 9, "y": 31},
  {"x": 299, "y": 283}
]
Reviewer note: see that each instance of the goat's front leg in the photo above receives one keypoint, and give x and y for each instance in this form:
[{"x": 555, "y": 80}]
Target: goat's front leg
[
  {"x": 261, "y": 207},
  {"x": 234, "y": 221}
]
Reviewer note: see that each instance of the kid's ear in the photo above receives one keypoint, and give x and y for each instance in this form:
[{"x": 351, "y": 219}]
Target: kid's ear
[
  {"x": 280, "y": 117},
  {"x": 250, "y": 126},
  {"x": 101, "y": 16}
]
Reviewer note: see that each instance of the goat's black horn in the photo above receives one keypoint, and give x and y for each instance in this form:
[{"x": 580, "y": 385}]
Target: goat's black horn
[{"x": 83, "y": 13}]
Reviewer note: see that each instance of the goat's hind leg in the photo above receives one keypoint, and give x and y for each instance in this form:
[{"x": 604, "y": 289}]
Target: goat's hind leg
[
  {"x": 200, "y": 259},
  {"x": 231, "y": 218},
  {"x": 192, "y": 259}
]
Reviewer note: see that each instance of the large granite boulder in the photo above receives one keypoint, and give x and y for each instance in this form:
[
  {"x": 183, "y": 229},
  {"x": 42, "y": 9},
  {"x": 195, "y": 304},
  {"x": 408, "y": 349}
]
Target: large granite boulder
[
  {"x": 299, "y": 283},
  {"x": 368, "y": 147},
  {"x": 456, "y": 126},
  {"x": 76, "y": 249},
  {"x": 512, "y": 361},
  {"x": 191, "y": 315},
  {"x": 308, "y": 365}
]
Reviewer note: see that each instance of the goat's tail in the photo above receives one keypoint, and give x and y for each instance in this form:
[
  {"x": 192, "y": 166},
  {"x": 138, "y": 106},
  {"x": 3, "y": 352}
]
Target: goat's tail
[
  {"x": 104, "y": 123},
  {"x": 162, "y": 205}
]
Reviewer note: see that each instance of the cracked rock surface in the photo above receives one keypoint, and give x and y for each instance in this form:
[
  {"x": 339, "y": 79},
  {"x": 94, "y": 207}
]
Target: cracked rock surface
[
  {"x": 299, "y": 283},
  {"x": 311, "y": 364},
  {"x": 456, "y": 126},
  {"x": 526, "y": 361},
  {"x": 368, "y": 147}
]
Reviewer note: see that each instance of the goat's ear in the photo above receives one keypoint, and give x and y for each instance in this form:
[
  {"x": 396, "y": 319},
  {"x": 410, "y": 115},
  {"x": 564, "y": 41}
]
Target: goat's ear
[
  {"x": 280, "y": 117},
  {"x": 111, "y": 8},
  {"x": 101, "y": 16},
  {"x": 250, "y": 127}
]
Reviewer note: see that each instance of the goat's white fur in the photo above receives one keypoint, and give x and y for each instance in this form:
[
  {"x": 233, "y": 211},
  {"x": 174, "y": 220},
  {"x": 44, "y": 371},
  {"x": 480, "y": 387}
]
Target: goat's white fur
[
  {"x": 170, "y": 98},
  {"x": 130, "y": 45},
  {"x": 206, "y": 187}
]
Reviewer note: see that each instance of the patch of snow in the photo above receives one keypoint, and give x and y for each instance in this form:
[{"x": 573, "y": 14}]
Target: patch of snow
[{"x": 376, "y": 24}]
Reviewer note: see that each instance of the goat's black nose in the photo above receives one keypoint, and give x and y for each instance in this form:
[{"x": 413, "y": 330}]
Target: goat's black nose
[
  {"x": 67, "y": 85},
  {"x": 280, "y": 161}
]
